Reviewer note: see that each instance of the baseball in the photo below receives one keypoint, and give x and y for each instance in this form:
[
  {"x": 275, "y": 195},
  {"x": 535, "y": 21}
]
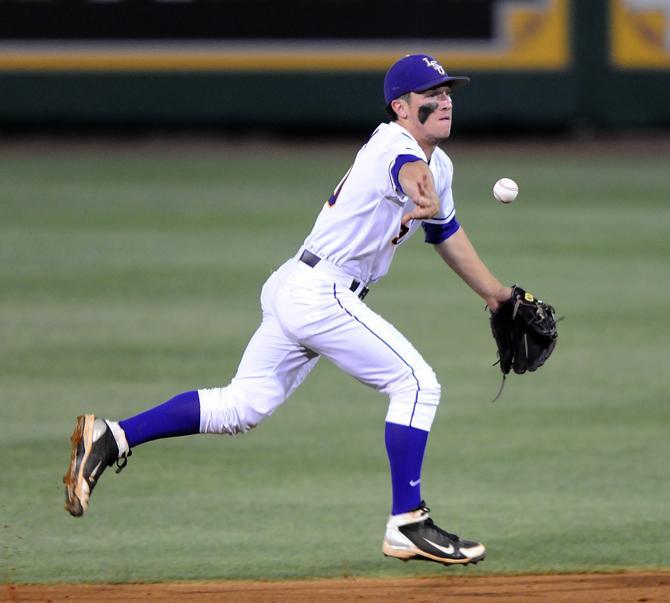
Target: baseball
[{"x": 505, "y": 190}]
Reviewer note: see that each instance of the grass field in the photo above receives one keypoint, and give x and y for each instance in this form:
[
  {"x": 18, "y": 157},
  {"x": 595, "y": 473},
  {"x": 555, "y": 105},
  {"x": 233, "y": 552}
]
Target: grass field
[{"x": 130, "y": 275}]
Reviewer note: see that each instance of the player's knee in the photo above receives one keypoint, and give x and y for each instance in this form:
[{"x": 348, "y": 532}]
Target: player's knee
[
  {"x": 225, "y": 410},
  {"x": 431, "y": 393},
  {"x": 419, "y": 379},
  {"x": 415, "y": 401}
]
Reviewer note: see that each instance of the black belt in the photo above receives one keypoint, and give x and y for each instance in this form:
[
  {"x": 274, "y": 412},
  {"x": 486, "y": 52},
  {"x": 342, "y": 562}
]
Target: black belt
[{"x": 312, "y": 260}]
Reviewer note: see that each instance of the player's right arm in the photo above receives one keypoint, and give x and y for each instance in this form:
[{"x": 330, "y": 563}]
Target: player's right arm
[{"x": 418, "y": 184}]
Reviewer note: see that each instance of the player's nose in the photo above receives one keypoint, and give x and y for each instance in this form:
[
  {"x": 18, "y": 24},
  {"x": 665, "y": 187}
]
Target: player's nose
[{"x": 445, "y": 100}]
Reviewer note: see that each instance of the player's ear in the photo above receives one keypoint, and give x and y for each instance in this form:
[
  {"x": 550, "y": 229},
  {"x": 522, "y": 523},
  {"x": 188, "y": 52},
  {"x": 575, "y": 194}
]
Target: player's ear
[{"x": 400, "y": 107}]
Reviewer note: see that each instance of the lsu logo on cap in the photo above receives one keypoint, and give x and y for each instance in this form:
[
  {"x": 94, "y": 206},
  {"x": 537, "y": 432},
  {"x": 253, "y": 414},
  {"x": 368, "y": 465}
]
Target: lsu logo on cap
[{"x": 435, "y": 65}]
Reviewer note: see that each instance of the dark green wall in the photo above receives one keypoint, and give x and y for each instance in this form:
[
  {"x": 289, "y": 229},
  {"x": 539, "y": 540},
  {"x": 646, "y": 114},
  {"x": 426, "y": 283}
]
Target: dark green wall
[{"x": 589, "y": 92}]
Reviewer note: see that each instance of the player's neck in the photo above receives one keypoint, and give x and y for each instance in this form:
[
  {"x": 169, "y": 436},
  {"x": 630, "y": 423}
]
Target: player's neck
[{"x": 427, "y": 146}]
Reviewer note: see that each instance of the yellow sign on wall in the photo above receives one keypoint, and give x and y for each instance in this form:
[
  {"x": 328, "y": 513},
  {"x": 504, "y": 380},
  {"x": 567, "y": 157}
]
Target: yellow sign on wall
[
  {"x": 640, "y": 33},
  {"x": 526, "y": 35},
  {"x": 531, "y": 36}
]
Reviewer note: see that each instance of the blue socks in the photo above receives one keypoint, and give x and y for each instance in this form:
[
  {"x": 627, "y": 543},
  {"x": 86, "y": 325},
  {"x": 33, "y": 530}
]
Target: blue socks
[
  {"x": 178, "y": 416},
  {"x": 405, "y": 447}
]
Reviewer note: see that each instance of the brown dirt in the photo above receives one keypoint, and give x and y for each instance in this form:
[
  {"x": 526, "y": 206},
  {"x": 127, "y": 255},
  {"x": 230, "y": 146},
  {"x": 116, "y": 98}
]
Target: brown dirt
[{"x": 581, "y": 588}]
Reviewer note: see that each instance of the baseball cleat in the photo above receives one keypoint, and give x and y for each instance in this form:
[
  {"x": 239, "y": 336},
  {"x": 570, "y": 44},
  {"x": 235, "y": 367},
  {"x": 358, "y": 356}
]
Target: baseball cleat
[
  {"x": 93, "y": 450},
  {"x": 413, "y": 535}
]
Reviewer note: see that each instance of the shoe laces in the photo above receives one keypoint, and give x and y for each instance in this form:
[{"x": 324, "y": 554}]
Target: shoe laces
[
  {"x": 122, "y": 461},
  {"x": 440, "y": 531},
  {"x": 429, "y": 522}
]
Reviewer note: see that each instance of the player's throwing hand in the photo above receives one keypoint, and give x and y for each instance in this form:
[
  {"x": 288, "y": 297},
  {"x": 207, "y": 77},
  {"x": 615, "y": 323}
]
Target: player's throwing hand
[{"x": 421, "y": 190}]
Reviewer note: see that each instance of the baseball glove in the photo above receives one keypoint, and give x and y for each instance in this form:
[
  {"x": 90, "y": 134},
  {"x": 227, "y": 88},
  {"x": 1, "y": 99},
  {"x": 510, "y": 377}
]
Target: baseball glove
[{"x": 524, "y": 329}]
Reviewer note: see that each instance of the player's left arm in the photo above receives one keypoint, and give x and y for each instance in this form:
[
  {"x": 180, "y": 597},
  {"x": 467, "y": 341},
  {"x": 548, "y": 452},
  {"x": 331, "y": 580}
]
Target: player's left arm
[{"x": 459, "y": 253}]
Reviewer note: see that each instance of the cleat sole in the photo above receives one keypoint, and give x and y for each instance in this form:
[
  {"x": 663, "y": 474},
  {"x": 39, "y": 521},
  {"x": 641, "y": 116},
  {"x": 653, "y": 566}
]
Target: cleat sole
[
  {"x": 76, "y": 490},
  {"x": 419, "y": 556}
]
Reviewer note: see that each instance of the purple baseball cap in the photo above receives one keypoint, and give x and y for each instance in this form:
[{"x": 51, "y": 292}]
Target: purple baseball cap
[{"x": 417, "y": 73}]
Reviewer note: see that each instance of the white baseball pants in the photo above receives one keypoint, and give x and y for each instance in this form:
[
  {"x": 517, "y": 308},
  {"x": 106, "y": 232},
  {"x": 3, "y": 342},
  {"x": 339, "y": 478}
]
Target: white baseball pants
[{"x": 308, "y": 313}]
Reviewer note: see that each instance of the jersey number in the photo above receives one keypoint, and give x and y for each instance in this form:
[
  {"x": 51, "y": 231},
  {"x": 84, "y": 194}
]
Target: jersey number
[
  {"x": 404, "y": 229},
  {"x": 338, "y": 188}
]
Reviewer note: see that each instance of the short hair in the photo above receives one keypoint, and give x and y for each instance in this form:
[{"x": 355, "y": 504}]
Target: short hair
[{"x": 391, "y": 113}]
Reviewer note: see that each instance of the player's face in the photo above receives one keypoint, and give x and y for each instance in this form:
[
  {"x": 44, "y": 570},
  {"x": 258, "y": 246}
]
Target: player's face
[{"x": 430, "y": 113}]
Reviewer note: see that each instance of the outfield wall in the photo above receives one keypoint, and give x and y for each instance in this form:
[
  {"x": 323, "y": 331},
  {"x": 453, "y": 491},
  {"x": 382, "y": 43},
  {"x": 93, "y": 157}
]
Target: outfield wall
[{"x": 533, "y": 62}]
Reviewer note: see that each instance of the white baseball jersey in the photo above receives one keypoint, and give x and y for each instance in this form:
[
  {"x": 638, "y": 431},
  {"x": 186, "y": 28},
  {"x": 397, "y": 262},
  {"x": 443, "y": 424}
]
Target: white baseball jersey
[
  {"x": 359, "y": 226},
  {"x": 311, "y": 304}
]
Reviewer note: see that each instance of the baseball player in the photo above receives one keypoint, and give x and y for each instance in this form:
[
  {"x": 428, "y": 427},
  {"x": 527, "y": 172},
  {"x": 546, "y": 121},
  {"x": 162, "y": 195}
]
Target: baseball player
[{"x": 313, "y": 306}]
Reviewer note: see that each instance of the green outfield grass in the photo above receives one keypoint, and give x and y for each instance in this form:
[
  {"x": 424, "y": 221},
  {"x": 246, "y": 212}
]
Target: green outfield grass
[{"x": 129, "y": 276}]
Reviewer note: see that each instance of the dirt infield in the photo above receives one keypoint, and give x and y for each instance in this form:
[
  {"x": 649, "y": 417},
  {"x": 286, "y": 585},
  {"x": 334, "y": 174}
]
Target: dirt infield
[{"x": 629, "y": 587}]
